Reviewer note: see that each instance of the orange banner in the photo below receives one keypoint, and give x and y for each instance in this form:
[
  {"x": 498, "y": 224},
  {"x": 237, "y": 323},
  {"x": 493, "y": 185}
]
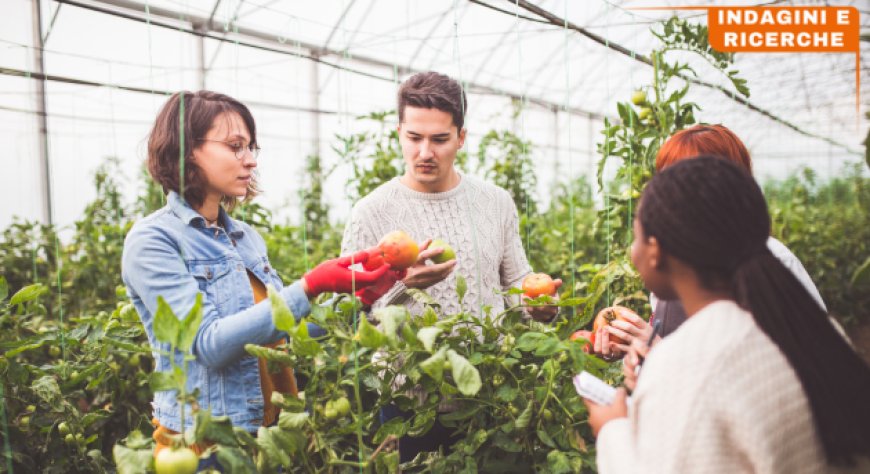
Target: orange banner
[{"x": 784, "y": 29}]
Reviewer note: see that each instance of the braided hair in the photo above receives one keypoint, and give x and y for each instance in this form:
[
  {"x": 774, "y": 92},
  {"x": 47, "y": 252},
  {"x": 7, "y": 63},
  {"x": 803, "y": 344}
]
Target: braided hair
[{"x": 711, "y": 214}]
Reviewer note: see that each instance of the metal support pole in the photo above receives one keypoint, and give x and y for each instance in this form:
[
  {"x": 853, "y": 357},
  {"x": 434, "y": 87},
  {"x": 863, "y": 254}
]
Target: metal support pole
[
  {"x": 558, "y": 147},
  {"x": 42, "y": 119},
  {"x": 314, "y": 104},
  {"x": 200, "y": 50}
]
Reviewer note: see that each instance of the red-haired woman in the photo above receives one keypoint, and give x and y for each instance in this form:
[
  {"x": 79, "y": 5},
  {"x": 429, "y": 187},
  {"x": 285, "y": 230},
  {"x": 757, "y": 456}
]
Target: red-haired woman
[{"x": 714, "y": 140}]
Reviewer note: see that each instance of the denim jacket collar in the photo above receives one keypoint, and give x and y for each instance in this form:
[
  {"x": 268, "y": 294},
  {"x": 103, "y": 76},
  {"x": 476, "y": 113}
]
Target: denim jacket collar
[{"x": 182, "y": 209}]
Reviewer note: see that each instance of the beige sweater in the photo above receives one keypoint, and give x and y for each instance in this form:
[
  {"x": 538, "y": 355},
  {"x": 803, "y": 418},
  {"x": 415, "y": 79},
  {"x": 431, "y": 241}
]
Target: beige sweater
[
  {"x": 716, "y": 396},
  {"x": 479, "y": 220}
]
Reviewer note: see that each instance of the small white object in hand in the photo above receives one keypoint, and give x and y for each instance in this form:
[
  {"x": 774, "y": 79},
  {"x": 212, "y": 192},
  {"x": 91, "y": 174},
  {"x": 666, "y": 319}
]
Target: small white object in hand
[{"x": 593, "y": 388}]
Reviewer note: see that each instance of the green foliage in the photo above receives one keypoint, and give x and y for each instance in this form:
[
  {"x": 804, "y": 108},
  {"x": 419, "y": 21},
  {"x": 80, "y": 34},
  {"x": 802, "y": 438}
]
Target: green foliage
[
  {"x": 827, "y": 226},
  {"x": 375, "y": 157},
  {"x": 505, "y": 160},
  {"x": 70, "y": 389}
]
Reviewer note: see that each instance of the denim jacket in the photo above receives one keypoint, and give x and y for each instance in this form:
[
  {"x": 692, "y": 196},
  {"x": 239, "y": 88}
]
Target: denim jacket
[{"x": 173, "y": 254}]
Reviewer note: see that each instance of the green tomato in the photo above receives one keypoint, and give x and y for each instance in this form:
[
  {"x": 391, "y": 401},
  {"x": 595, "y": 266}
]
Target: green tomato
[
  {"x": 644, "y": 113},
  {"x": 513, "y": 409},
  {"x": 133, "y": 360},
  {"x": 63, "y": 428},
  {"x": 176, "y": 461},
  {"x": 447, "y": 364},
  {"x": 448, "y": 253},
  {"x": 548, "y": 415},
  {"x": 342, "y": 406},
  {"x": 329, "y": 412},
  {"x": 80, "y": 438},
  {"x": 497, "y": 380},
  {"x": 638, "y": 98},
  {"x": 54, "y": 351},
  {"x": 74, "y": 375},
  {"x": 69, "y": 439},
  {"x": 24, "y": 421},
  {"x": 31, "y": 408}
]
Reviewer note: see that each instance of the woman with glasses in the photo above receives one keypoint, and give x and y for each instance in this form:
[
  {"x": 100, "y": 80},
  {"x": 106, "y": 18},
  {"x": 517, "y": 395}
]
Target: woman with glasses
[{"x": 203, "y": 152}]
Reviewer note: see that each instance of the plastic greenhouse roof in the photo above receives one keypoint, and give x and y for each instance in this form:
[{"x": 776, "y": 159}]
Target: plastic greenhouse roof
[{"x": 261, "y": 51}]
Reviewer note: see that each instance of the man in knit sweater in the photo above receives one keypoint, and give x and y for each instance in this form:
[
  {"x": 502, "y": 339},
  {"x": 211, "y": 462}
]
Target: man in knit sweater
[{"x": 433, "y": 200}]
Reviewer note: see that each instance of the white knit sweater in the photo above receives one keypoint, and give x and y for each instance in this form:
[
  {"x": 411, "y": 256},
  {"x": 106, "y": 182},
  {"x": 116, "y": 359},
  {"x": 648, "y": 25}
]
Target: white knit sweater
[
  {"x": 716, "y": 396},
  {"x": 479, "y": 220}
]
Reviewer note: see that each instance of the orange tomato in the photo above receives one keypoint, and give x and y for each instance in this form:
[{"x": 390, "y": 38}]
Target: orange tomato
[
  {"x": 399, "y": 250},
  {"x": 610, "y": 314},
  {"x": 538, "y": 284}
]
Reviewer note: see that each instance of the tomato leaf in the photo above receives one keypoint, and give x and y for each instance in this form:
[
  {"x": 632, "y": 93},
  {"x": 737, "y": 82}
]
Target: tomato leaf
[
  {"x": 160, "y": 381},
  {"x": 427, "y": 336},
  {"x": 558, "y": 462},
  {"x": 4, "y": 288},
  {"x": 302, "y": 344},
  {"x": 525, "y": 417},
  {"x": 529, "y": 341},
  {"x": 391, "y": 318},
  {"x": 190, "y": 325},
  {"x": 28, "y": 293},
  {"x": 292, "y": 421},
  {"x": 166, "y": 324},
  {"x": 465, "y": 375},
  {"x": 434, "y": 365},
  {"x": 282, "y": 317},
  {"x": 235, "y": 460},
  {"x": 370, "y": 336},
  {"x": 214, "y": 429},
  {"x": 270, "y": 447},
  {"x": 461, "y": 287},
  {"x": 132, "y": 461}
]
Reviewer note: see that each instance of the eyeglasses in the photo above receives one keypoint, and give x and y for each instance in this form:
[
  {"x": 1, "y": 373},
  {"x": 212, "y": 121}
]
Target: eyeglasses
[{"x": 237, "y": 148}]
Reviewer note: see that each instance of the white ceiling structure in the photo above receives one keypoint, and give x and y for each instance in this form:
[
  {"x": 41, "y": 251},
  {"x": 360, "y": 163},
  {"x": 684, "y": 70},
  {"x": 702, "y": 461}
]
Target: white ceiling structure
[{"x": 308, "y": 69}]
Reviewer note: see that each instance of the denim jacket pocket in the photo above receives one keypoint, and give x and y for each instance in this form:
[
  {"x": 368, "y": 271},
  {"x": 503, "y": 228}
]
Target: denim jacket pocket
[{"x": 215, "y": 281}]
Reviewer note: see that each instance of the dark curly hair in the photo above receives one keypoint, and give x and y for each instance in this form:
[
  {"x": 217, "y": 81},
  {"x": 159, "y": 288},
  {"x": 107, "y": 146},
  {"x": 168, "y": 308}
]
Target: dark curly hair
[{"x": 709, "y": 213}]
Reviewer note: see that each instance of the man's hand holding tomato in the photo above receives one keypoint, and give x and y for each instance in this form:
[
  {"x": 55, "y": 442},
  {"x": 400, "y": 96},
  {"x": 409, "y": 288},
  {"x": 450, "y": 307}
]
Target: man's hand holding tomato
[
  {"x": 422, "y": 276},
  {"x": 539, "y": 284},
  {"x": 600, "y": 415}
]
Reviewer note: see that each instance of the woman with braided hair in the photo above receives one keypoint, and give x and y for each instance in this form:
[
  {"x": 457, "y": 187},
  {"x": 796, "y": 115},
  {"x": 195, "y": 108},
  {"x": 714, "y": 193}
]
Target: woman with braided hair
[
  {"x": 716, "y": 140},
  {"x": 756, "y": 379}
]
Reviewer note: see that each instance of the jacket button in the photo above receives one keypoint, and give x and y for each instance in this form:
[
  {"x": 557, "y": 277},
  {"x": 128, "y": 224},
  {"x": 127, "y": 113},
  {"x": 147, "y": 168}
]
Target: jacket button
[
  {"x": 267, "y": 269},
  {"x": 208, "y": 273}
]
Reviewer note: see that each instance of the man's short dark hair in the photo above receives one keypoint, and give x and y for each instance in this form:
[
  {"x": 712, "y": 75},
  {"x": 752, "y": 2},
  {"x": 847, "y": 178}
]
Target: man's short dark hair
[{"x": 431, "y": 90}]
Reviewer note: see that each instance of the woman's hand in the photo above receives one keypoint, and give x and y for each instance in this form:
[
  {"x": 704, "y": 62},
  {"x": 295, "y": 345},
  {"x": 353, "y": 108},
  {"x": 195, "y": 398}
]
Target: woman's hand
[
  {"x": 370, "y": 294},
  {"x": 599, "y": 415},
  {"x": 336, "y": 276},
  {"x": 636, "y": 329},
  {"x": 631, "y": 361}
]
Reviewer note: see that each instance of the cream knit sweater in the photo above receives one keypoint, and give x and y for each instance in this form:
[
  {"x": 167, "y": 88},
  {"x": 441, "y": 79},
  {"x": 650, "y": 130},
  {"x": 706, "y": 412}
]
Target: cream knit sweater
[
  {"x": 716, "y": 396},
  {"x": 479, "y": 220}
]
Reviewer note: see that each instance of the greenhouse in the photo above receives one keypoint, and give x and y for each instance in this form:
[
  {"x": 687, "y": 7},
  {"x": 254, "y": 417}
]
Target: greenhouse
[{"x": 434, "y": 236}]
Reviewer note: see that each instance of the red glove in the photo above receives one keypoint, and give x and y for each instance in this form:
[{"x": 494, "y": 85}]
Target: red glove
[
  {"x": 370, "y": 294},
  {"x": 335, "y": 276}
]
